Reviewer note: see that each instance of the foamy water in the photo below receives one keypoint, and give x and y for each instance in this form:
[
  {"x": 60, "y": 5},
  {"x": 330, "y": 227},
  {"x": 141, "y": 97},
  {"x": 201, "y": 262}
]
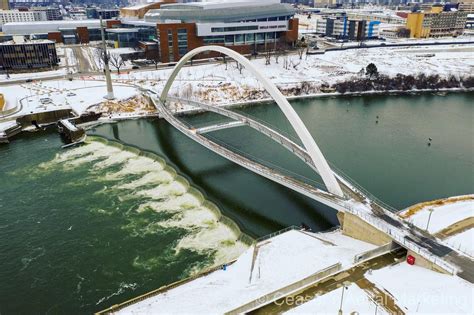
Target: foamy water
[{"x": 156, "y": 187}]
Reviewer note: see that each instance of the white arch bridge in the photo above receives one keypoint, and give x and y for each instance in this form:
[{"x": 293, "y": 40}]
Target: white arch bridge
[{"x": 342, "y": 194}]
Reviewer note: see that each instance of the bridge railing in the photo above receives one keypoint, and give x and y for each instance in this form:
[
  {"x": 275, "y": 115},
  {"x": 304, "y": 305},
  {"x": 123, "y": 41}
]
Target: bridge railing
[
  {"x": 398, "y": 236},
  {"x": 268, "y": 236}
]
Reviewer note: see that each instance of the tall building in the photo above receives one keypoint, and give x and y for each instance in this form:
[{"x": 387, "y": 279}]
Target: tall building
[
  {"x": 246, "y": 27},
  {"x": 28, "y": 55},
  {"x": 4, "y": 5},
  {"x": 436, "y": 23},
  {"x": 342, "y": 27},
  {"x": 8, "y": 16},
  {"x": 52, "y": 14}
]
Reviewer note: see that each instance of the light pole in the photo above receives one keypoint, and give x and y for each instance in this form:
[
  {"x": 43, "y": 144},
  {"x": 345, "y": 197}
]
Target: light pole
[
  {"x": 110, "y": 91},
  {"x": 345, "y": 285},
  {"x": 376, "y": 305},
  {"x": 429, "y": 218}
]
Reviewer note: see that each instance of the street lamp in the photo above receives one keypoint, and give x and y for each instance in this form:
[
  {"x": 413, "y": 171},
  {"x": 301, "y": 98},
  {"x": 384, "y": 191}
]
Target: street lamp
[
  {"x": 345, "y": 286},
  {"x": 376, "y": 304},
  {"x": 429, "y": 218}
]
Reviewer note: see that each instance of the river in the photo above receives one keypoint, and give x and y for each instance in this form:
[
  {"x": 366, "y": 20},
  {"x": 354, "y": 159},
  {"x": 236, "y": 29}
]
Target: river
[{"x": 84, "y": 228}]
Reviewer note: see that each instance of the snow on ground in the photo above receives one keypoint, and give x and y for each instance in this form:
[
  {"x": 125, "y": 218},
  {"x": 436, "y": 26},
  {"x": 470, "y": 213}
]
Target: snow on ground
[
  {"x": 32, "y": 75},
  {"x": 423, "y": 291},
  {"x": 443, "y": 215},
  {"x": 464, "y": 242},
  {"x": 355, "y": 301},
  {"x": 214, "y": 82},
  {"x": 77, "y": 94},
  {"x": 282, "y": 260}
]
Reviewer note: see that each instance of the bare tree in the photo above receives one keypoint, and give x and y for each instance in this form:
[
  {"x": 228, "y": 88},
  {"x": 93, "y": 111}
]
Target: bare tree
[
  {"x": 116, "y": 61},
  {"x": 239, "y": 66},
  {"x": 99, "y": 56},
  {"x": 267, "y": 57}
]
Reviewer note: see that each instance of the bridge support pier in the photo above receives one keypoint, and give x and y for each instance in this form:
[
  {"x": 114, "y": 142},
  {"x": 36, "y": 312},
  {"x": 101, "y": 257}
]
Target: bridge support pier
[{"x": 357, "y": 228}]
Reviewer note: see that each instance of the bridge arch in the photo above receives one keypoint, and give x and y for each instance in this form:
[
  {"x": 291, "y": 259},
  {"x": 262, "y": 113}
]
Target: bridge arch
[{"x": 308, "y": 142}]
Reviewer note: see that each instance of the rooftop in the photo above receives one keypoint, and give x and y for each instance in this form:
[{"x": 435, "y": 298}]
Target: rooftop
[{"x": 219, "y": 12}]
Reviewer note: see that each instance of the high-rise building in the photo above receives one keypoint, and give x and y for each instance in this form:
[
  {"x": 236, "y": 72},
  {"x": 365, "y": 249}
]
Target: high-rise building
[
  {"x": 4, "y": 5},
  {"x": 436, "y": 23},
  {"x": 52, "y": 14},
  {"x": 28, "y": 55},
  {"x": 9, "y": 16}
]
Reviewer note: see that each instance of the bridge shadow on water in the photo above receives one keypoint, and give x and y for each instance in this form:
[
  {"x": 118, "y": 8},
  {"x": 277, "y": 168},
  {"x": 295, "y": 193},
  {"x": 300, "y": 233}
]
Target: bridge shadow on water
[{"x": 258, "y": 205}]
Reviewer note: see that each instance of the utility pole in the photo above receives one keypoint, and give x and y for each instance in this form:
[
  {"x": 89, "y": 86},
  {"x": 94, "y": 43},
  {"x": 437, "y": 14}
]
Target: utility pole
[
  {"x": 110, "y": 90},
  {"x": 429, "y": 218}
]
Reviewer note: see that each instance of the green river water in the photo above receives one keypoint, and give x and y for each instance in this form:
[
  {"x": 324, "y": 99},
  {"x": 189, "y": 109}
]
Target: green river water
[{"x": 87, "y": 227}]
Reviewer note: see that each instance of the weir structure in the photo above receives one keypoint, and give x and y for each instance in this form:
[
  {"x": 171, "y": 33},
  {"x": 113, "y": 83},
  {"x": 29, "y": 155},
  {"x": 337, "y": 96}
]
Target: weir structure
[{"x": 361, "y": 215}]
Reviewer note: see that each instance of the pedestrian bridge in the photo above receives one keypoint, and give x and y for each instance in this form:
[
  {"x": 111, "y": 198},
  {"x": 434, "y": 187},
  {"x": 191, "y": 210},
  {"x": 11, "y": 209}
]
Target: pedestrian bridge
[{"x": 342, "y": 194}]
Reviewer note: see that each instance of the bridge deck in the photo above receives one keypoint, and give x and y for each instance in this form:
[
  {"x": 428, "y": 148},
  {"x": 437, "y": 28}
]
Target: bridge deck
[
  {"x": 360, "y": 204},
  {"x": 217, "y": 127}
]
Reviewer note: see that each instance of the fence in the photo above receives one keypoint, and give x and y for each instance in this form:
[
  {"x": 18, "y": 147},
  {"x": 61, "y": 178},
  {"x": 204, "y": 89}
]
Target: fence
[
  {"x": 399, "y": 237},
  {"x": 117, "y": 307},
  {"x": 294, "y": 287},
  {"x": 379, "y": 251}
]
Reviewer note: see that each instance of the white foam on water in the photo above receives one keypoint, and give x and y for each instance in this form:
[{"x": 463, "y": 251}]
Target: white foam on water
[
  {"x": 196, "y": 217},
  {"x": 149, "y": 178},
  {"x": 117, "y": 158},
  {"x": 185, "y": 201},
  {"x": 101, "y": 151},
  {"x": 138, "y": 165},
  {"x": 220, "y": 238},
  {"x": 164, "y": 190}
]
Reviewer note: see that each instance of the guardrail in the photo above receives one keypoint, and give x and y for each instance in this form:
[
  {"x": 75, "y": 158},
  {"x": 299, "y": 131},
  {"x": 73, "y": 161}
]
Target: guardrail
[
  {"x": 379, "y": 251},
  {"x": 289, "y": 228},
  {"x": 118, "y": 307},
  {"x": 380, "y": 222},
  {"x": 294, "y": 287}
]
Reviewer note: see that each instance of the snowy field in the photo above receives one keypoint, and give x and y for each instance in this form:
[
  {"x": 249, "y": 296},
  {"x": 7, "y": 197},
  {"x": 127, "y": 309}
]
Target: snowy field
[
  {"x": 423, "y": 291},
  {"x": 442, "y": 216},
  {"x": 280, "y": 261},
  {"x": 355, "y": 301},
  {"x": 213, "y": 82},
  {"x": 463, "y": 242},
  {"x": 78, "y": 95}
]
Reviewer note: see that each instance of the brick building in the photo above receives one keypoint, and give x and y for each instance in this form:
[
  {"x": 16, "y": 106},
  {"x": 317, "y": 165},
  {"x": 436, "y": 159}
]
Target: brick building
[{"x": 246, "y": 27}]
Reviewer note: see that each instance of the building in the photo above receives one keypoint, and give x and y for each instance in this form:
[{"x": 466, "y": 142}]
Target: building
[
  {"x": 246, "y": 27},
  {"x": 28, "y": 55},
  {"x": 436, "y": 23},
  {"x": 138, "y": 11},
  {"x": 466, "y": 6},
  {"x": 4, "y": 5},
  {"x": 470, "y": 21},
  {"x": 67, "y": 31},
  {"x": 9, "y": 16},
  {"x": 130, "y": 33},
  {"x": 107, "y": 14},
  {"x": 342, "y": 27},
  {"x": 380, "y": 16},
  {"x": 52, "y": 14}
]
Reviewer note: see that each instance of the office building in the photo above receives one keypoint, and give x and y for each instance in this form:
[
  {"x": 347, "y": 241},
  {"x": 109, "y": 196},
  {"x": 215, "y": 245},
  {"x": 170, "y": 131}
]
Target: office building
[
  {"x": 342, "y": 27},
  {"x": 247, "y": 27},
  {"x": 9, "y": 16},
  {"x": 436, "y": 23},
  {"x": 28, "y": 55}
]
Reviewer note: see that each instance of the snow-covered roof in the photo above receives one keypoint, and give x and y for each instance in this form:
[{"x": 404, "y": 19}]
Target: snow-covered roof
[
  {"x": 221, "y": 12},
  {"x": 27, "y": 28}
]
